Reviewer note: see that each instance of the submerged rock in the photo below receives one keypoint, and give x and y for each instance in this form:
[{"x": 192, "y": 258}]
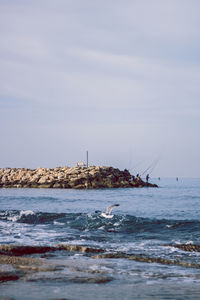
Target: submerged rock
[
  {"x": 23, "y": 266},
  {"x": 96, "y": 279},
  {"x": 146, "y": 259},
  {"x": 14, "y": 268}
]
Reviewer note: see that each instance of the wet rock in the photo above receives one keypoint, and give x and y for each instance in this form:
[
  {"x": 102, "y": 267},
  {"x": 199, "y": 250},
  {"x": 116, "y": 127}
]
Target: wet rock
[
  {"x": 146, "y": 259},
  {"x": 186, "y": 247},
  {"x": 8, "y": 276},
  {"x": 78, "y": 248},
  {"x": 56, "y": 185},
  {"x": 49, "y": 255},
  {"x": 20, "y": 261},
  {"x": 15, "y": 268},
  {"x": 19, "y": 250},
  {"x": 111, "y": 255},
  {"x": 45, "y": 186}
]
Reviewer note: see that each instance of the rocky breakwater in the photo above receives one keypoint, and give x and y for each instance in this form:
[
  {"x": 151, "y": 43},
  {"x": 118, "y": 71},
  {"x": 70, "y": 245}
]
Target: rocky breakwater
[{"x": 91, "y": 177}]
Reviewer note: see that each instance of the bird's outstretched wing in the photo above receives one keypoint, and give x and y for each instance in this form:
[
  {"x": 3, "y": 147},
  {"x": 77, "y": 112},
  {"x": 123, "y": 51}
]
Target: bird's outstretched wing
[{"x": 109, "y": 208}]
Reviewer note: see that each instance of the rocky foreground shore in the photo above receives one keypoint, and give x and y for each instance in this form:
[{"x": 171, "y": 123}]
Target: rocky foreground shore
[
  {"x": 91, "y": 177},
  {"x": 36, "y": 263}
]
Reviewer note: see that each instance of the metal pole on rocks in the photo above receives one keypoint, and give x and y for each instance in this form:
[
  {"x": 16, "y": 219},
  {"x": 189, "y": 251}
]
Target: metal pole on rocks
[{"x": 87, "y": 158}]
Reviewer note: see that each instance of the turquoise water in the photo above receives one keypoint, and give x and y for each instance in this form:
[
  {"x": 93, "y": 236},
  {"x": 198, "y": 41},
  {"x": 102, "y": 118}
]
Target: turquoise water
[{"x": 146, "y": 220}]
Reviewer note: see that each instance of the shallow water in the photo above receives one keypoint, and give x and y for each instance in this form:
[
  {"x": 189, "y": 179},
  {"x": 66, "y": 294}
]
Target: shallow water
[{"x": 146, "y": 220}]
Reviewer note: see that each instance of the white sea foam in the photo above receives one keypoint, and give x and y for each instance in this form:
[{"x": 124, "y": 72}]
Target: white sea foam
[
  {"x": 189, "y": 242},
  {"x": 169, "y": 226},
  {"x": 116, "y": 224},
  {"x": 22, "y": 213},
  {"x": 26, "y": 212},
  {"x": 101, "y": 228},
  {"x": 13, "y": 218},
  {"x": 58, "y": 223}
]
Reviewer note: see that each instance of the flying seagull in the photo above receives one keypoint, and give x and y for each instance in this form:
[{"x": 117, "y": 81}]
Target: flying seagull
[{"x": 107, "y": 214}]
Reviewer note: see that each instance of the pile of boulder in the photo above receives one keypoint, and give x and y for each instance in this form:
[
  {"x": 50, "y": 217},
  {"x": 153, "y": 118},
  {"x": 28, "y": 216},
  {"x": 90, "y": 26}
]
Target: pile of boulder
[{"x": 91, "y": 177}]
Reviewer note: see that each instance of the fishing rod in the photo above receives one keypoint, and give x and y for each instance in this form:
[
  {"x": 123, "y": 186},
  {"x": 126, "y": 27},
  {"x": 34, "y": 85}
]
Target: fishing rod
[
  {"x": 136, "y": 165},
  {"x": 151, "y": 167},
  {"x": 151, "y": 170}
]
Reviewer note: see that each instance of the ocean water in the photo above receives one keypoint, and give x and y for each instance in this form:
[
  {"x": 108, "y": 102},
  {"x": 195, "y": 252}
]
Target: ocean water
[{"x": 146, "y": 221}]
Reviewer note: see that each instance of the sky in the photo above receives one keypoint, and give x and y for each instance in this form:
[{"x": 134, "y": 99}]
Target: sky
[{"x": 119, "y": 79}]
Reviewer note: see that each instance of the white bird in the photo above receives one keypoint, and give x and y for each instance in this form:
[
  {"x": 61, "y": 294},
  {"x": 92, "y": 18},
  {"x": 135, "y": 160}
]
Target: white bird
[{"x": 108, "y": 211}]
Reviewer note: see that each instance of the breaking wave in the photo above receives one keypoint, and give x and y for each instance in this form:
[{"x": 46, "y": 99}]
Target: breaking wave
[{"x": 91, "y": 222}]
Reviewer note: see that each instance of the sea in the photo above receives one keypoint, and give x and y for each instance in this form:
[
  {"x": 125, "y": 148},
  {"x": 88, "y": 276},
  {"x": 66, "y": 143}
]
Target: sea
[{"x": 148, "y": 224}]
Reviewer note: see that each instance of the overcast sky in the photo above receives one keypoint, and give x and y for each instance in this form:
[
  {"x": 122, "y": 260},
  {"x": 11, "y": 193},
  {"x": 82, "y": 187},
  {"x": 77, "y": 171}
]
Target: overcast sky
[{"x": 120, "y": 79}]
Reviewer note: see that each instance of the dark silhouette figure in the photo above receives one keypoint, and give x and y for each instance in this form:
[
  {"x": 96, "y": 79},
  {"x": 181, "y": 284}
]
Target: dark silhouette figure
[
  {"x": 147, "y": 178},
  {"x": 138, "y": 179}
]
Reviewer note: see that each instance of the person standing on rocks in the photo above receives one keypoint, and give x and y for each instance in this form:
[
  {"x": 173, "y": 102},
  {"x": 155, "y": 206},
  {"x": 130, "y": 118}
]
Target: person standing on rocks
[
  {"x": 147, "y": 178},
  {"x": 138, "y": 177}
]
